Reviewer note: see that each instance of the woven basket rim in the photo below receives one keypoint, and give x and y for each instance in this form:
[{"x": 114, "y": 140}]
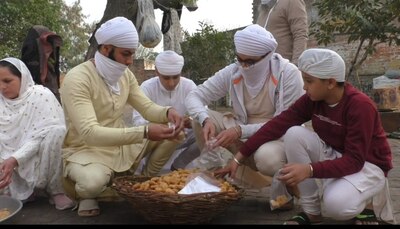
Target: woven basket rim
[
  {"x": 238, "y": 194},
  {"x": 174, "y": 208}
]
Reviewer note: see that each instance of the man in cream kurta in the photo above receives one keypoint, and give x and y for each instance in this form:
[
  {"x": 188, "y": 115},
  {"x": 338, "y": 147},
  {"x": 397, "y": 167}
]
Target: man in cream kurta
[{"x": 94, "y": 95}]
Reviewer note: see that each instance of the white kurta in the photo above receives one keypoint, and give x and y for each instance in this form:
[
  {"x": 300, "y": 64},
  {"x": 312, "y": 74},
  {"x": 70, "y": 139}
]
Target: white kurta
[
  {"x": 158, "y": 94},
  {"x": 175, "y": 98},
  {"x": 285, "y": 86},
  {"x": 32, "y": 131}
]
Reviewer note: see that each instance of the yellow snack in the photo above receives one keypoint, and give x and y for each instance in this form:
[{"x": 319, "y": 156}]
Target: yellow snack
[
  {"x": 4, "y": 213},
  {"x": 173, "y": 182},
  {"x": 280, "y": 200}
]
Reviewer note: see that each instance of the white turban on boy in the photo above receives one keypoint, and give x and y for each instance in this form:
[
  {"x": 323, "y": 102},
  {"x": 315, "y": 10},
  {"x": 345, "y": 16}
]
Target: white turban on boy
[
  {"x": 254, "y": 40},
  {"x": 169, "y": 63},
  {"x": 322, "y": 64},
  {"x": 119, "y": 32}
]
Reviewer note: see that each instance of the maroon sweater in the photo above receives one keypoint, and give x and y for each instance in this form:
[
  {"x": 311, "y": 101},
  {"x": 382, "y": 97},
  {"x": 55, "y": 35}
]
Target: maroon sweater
[{"x": 353, "y": 128}]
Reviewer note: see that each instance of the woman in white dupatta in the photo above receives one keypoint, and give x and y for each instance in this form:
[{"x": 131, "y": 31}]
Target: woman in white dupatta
[{"x": 32, "y": 130}]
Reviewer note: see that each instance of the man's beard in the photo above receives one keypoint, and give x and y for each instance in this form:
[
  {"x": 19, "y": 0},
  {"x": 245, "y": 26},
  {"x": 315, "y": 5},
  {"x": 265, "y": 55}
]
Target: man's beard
[{"x": 111, "y": 55}]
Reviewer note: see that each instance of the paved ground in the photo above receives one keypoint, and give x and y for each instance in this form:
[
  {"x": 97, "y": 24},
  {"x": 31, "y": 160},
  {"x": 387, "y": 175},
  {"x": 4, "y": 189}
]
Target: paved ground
[{"x": 253, "y": 209}]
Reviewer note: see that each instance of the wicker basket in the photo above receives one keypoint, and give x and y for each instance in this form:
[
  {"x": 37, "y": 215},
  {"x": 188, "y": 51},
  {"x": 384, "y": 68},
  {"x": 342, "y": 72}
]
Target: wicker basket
[{"x": 164, "y": 208}]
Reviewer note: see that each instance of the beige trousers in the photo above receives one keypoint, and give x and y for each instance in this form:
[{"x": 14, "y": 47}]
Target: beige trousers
[{"x": 93, "y": 180}]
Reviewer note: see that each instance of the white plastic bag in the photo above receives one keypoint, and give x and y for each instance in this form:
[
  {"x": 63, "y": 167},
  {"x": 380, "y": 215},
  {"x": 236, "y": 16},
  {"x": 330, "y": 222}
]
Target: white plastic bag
[
  {"x": 200, "y": 183},
  {"x": 384, "y": 82},
  {"x": 149, "y": 31},
  {"x": 211, "y": 158},
  {"x": 279, "y": 194}
]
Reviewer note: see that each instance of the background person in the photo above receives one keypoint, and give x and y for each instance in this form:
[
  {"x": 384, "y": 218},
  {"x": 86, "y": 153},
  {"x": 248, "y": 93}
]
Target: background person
[
  {"x": 287, "y": 21},
  {"x": 32, "y": 131}
]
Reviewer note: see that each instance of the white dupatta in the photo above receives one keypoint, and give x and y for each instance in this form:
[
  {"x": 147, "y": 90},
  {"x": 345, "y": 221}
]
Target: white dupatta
[{"x": 24, "y": 123}]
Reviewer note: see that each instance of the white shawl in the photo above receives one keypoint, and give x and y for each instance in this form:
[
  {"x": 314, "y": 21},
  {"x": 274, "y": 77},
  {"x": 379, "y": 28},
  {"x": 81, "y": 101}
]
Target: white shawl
[{"x": 24, "y": 122}]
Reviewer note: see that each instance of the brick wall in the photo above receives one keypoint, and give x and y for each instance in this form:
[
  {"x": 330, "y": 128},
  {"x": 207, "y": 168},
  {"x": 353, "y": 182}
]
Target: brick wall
[
  {"x": 141, "y": 73},
  {"x": 385, "y": 58},
  {"x": 375, "y": 65}
]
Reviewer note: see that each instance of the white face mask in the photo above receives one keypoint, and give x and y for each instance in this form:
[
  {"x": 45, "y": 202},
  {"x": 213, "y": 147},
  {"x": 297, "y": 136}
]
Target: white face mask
[
  {"x": 110, "y": 70},
  {"x": 256, "y": 75}
]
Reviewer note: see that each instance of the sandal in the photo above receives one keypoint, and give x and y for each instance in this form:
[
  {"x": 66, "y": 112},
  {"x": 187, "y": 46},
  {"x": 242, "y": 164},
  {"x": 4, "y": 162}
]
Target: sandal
[
  {"x": 300, "y": 219},
  {"x": 368, "y": 217},
  {"x": 88, "y": 208},
  {"x": 61, "y": 201}
]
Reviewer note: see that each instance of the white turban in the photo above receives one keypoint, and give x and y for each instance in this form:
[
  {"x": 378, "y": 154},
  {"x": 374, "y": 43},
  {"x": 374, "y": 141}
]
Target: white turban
[
  {"x": 169, "y": 63},
  {"x": 254, "y": 40},
  {"x": 323, "y": 64},
  {"x": 119, "y": 32}
]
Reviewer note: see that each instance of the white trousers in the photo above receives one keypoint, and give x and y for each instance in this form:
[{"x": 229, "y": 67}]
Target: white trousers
[
  {"x": 42, "y": 171},
  {"x": 340, "y": 198}
]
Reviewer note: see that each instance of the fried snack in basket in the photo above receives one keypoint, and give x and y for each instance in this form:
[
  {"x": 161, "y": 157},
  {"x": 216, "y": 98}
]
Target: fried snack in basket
[
  {"x": 153, "y": 199},
  {"x": 173, "y": 182}
]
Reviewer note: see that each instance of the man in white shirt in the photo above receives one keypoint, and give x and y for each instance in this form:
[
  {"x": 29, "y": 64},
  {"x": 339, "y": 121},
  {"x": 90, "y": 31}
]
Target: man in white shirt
[
  {"x": 261, "y": 85},
  {"x": 169, "y": 88}
]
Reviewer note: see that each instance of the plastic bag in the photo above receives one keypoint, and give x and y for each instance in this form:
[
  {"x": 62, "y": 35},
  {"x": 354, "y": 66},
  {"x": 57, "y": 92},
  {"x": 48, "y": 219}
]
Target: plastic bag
[
  {"x": 151, "y": 35},
  {"x": 384, "y": 82},
  {"x": 200, "y": 183},
  {"x": 149, "y": 32},
  {"x": 211, "y": 158},
  {"x": 279, "y": 194}
]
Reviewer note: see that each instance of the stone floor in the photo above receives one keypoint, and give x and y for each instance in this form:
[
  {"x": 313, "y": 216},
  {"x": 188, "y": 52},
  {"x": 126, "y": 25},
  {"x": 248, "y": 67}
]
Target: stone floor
[{"x": 252, "y": 209}]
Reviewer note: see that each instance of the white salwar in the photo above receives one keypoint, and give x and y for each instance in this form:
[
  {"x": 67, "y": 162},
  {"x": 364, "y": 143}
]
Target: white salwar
[
  {"x": 340, "y": 198},
  {"x": 32, "y": 131}
]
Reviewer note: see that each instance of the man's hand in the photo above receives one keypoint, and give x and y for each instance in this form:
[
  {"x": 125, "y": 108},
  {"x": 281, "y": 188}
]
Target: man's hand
[
  {"x": 208, "y": 129},
  {"x": 227, "y": 137},
  {"x": 176, "y": 119},
  {"x": 231, "y": 168},
  {"x": 158, "y": 132},
  {"x": 294, "y": 173},
  {"x": 187, "y": 122}
]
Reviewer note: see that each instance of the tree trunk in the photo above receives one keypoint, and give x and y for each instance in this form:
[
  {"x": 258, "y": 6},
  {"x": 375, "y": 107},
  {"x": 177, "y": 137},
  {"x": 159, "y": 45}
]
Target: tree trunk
[
  {"x": 128, "y": 9},
  {"x": 114, "y": 8}
]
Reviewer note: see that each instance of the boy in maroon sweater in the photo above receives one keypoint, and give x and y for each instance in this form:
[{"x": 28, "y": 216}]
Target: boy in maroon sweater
[{"x": 347, "y": 148}]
